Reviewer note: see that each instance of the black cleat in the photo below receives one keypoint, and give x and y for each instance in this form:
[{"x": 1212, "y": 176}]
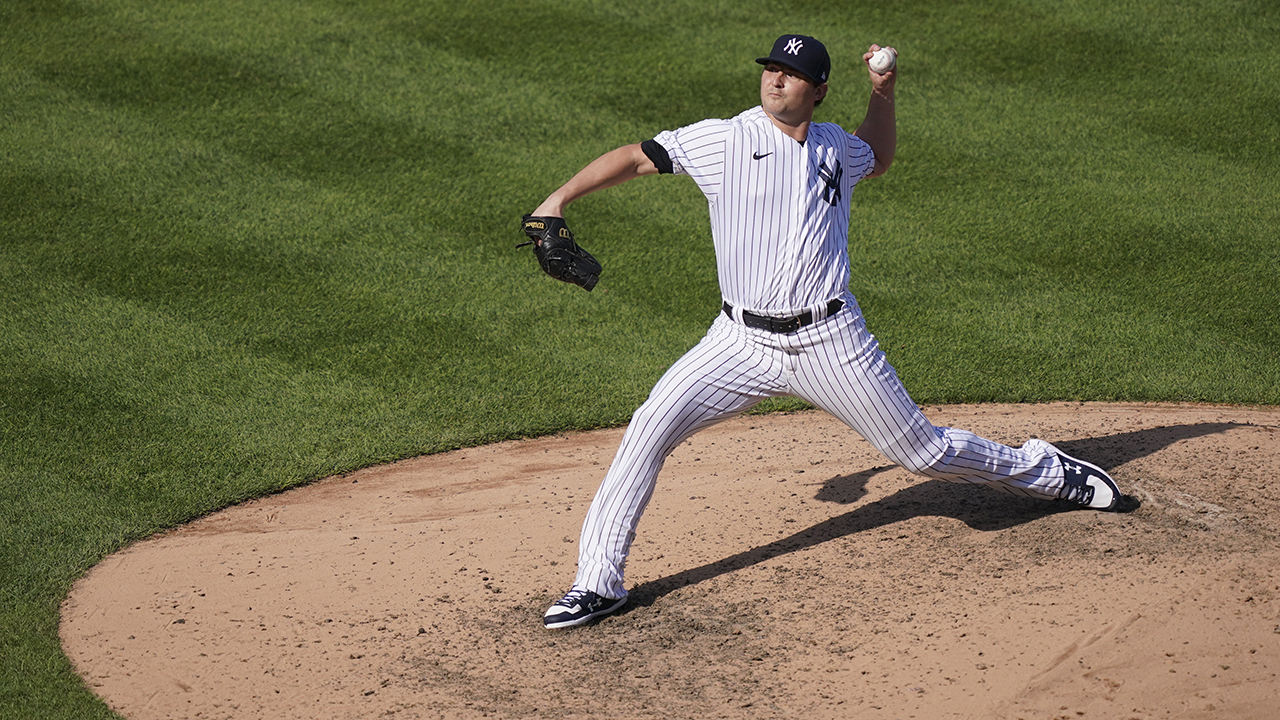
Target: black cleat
[{"x": 578, "y": 607}]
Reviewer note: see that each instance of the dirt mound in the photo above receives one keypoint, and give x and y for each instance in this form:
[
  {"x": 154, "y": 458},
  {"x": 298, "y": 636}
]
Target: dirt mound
[{"x": 782, "y": 570}]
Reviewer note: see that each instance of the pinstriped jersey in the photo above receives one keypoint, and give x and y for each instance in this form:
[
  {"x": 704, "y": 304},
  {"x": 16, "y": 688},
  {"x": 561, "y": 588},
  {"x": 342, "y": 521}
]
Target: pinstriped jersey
[{"x": 779, "y": 208}]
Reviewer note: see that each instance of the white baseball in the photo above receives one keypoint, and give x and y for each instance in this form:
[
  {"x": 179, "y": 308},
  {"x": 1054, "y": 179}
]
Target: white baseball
[{"x": 883, "y": 61}]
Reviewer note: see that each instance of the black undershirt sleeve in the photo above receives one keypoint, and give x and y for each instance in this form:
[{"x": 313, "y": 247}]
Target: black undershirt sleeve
[{"x": 658, "y": 155}]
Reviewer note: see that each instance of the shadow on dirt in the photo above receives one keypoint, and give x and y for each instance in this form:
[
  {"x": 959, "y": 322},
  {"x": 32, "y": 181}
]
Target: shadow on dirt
[{"x": 979, "y": 508}]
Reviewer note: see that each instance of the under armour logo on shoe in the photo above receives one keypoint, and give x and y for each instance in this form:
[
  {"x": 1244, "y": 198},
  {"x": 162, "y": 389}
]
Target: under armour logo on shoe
[
  {"x": 1087, "y": 485},
  {"x": 794, "y": 46}
]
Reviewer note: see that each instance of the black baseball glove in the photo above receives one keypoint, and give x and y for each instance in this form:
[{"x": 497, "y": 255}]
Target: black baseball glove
[{"x": 559, "y": 256}]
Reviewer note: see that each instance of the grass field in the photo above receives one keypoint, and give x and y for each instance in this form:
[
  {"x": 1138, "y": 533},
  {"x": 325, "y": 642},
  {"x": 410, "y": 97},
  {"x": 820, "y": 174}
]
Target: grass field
[{"x": 246, "y": 244}]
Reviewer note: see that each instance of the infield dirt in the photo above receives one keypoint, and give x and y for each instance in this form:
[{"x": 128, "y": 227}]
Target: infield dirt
[{"x": 783, "y": 570}]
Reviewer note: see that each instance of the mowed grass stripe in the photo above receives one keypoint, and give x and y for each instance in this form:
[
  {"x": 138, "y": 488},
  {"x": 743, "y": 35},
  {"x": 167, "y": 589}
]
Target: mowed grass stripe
[{"x": 249, "y": 244}]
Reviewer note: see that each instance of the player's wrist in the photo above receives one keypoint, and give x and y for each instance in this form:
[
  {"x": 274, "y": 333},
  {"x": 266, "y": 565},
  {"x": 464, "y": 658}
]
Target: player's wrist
[
  {"x": 882, "y": 93},
  {"x": 550, "y": 207}
]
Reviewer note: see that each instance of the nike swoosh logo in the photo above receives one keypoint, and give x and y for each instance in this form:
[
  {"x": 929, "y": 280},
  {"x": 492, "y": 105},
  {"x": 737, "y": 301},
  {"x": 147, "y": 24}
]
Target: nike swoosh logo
[{"x": 758, "y": 156}]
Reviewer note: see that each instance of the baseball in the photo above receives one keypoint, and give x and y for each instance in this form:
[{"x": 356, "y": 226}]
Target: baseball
[{"x": 883, "y": 61}]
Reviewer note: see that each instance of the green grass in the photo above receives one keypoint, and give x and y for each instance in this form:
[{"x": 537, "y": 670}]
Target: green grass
[{"x": 246, "y": 245}]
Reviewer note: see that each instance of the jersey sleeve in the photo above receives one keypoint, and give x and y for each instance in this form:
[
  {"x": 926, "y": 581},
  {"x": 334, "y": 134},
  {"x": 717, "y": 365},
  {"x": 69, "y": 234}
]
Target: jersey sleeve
[
  {"x": 658, "y": 155},
  {"x": 859, "y": 157},
  {"x": 698, "y": 151}
]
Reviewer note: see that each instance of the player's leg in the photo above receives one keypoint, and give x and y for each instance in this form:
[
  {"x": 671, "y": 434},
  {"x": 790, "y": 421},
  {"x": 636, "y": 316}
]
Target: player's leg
[
  {"x": 721, "y": 377},
  {"x": 843, "y": 371}
]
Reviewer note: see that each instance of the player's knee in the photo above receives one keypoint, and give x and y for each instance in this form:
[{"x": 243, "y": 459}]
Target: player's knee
[
  {"x": 922, "y": 453},
  {"x": 649, "y": 415},
  {"x": 653, "y": 425},
  {"x": 917, "y": 463},
  {"x": 915, "y": 466}
]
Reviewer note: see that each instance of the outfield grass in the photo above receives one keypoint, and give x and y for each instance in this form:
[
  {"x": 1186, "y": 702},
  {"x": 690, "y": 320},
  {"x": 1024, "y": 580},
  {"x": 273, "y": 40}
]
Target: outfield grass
[{"x": 250, "y": 244}]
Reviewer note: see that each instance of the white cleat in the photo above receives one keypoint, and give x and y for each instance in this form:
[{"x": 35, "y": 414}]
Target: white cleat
[{"x": 1086, "y": 484}]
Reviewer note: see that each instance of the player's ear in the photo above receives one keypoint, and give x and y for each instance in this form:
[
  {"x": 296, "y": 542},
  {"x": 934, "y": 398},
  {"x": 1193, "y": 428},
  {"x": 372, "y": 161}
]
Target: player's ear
[{"x": 819, "y": 93}]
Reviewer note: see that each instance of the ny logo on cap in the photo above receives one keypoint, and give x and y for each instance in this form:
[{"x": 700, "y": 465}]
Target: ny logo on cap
[{"x": 794, "y": 46}]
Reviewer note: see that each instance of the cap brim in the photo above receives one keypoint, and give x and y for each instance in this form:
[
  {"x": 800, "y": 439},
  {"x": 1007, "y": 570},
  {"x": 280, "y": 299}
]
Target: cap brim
[{"x": 783, "y": 62}]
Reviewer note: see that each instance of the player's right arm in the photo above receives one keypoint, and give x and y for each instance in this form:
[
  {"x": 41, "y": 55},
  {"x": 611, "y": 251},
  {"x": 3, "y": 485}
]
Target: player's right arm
[
  {"x": 880, "y": 128},
  {"x": 612, "y": 168}
]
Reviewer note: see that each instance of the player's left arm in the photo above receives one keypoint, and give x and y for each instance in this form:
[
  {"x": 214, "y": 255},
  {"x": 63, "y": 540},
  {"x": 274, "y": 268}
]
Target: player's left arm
[
  {"x": 880, "y": 127},
  {"x": 613, "y": 168}
]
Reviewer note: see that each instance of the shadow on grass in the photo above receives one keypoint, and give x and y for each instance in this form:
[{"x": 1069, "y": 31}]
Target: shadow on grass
[{"x": 979, "y": 508}]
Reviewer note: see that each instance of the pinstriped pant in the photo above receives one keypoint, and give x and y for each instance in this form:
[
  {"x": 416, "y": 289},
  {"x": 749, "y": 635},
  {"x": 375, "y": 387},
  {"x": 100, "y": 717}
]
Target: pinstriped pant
[{"x": 834, "y": 364}]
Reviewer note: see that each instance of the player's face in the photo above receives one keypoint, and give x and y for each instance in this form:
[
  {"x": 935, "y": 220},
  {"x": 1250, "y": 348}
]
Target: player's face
[{"x": 787, "y": 94}]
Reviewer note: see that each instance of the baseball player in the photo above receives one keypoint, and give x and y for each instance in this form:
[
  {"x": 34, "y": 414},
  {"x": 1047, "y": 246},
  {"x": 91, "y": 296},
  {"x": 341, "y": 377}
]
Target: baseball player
[{"x": 778, "y": 189}]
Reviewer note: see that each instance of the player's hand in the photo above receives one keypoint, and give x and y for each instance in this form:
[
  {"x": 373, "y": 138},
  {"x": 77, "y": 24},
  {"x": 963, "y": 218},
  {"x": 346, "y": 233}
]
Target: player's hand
[
  {"x": 557, "y": 253},
  {"x": 881, "y": 83}
]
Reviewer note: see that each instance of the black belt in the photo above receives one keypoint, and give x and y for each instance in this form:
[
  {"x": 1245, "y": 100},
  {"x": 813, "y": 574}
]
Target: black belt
[{"x": 782, "y": 325}]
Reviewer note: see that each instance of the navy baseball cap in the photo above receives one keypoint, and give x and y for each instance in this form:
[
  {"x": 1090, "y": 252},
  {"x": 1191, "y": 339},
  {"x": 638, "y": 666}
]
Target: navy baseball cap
[{"x": 803, "y": 53}]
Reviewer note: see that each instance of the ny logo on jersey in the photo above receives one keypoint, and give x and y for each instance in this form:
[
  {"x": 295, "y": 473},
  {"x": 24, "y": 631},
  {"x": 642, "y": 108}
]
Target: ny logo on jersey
[
  {"x": 794, "y": 46},
  {"x": 831, "y": 193}
]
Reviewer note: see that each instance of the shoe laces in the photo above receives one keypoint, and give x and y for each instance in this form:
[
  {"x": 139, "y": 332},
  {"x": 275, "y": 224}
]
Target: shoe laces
[
  {"x": 572, "y": 597},
  {"x": 1081, "y": 494}
]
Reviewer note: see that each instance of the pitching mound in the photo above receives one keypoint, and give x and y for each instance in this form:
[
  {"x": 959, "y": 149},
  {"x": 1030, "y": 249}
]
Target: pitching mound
[{"x": 783, "y": 570}]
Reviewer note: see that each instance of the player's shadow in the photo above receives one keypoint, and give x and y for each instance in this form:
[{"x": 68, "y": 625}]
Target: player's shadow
[{"x": 979, "y": 508}]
